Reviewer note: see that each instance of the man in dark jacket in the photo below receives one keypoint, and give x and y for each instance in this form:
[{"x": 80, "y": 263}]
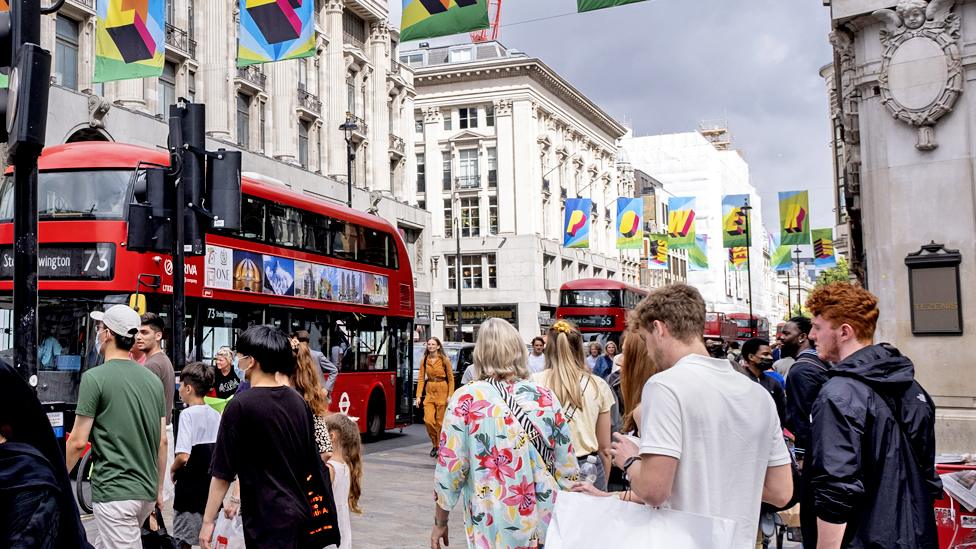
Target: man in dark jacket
[
  {"x": 873, "y": 433},
  {"x": 757, "y": 359},
  {"x": 807, "y": 375}
]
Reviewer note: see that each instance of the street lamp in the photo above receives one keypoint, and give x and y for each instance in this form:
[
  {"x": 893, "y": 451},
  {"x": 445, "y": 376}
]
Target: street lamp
[
  {"x": 457, "y": 274},
  {"x": 746, "y": 209},
  {"x": 348, "y": 127},
  {"x": 796, "y": 254}
]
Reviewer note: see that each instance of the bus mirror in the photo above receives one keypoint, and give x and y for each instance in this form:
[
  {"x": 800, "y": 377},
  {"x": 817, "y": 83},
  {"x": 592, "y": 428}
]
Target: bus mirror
[
  {"x": 140, "y": 238},
  {"x": 137, "y": 302},
  {"x": 224, "y": 189}
]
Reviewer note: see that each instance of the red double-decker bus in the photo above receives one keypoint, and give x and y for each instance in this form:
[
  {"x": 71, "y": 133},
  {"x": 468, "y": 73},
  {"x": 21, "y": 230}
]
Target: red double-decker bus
[
  {"x": 598, "y": 306},
  {"x": 758, "y": 327},
  {"x": 297, "y": 263}
]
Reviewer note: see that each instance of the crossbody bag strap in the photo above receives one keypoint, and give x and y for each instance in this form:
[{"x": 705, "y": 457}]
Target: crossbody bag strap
[
  {"x": 531, "y": 430},
  {"x": 571, "y": 411}
]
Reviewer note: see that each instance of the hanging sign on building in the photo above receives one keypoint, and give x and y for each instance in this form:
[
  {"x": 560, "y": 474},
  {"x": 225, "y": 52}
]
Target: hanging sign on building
[
  {"x": 739, "y": 258},
  {"x": 698, "y": 256},
  {"x": 681, "y": 222},
  {"x": 794, "y": 218},
  {"x": 590, "y": 5},
  {"x": 734, "y": 221},
  {"x": 130, "y": 39},
  {"x": 275, "y": 30},
  {"x": 657, "y": 252},
  {"x": 823, "y": 248},
  {"x": 432, "y": 18},
  {"x": 576, "y": 225},
  {"x": 630, "y": 233}
]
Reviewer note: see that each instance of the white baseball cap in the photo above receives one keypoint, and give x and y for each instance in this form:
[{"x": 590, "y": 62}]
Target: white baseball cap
[{"x": 121, "y": 319}]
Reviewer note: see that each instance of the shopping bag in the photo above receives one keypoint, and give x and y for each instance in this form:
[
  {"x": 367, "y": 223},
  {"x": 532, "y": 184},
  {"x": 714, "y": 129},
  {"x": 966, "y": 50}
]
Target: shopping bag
[
  {"x": 583, "y": 521},
  {"x": 228, "y": 533},
  {"x": 154, "y": 534}
]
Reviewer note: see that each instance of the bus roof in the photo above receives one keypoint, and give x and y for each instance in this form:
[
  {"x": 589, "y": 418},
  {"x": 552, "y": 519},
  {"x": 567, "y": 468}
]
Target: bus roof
[
  {"x": 108, "y": 155},
  {"x": 599, "y": 284}
]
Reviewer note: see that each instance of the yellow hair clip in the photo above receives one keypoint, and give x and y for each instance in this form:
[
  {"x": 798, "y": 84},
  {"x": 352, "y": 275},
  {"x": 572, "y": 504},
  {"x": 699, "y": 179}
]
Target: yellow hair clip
[{"x": 562, "y": 326}]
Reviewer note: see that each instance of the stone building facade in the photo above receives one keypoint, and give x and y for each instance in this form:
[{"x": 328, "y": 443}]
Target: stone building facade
[
  {"x": 905, "y": 110},
  {"x": 501, "y": 142}
]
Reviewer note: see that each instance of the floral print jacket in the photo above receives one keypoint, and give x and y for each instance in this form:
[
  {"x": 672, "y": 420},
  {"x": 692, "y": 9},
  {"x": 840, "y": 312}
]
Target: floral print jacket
[{"x": 487, "y": 460}]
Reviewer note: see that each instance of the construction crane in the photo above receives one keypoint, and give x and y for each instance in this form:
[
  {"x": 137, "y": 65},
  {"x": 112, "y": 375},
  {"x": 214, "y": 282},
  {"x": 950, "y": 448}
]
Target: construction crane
[{"x": 495, "y": 19}]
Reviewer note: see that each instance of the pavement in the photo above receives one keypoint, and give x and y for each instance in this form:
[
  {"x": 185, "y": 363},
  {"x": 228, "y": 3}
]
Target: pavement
[{"x": 398, "y": 496}]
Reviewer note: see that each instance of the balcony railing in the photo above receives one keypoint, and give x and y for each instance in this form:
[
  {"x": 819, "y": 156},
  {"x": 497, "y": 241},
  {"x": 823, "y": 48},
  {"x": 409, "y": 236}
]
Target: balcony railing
[
  {"x": 397, "y": 144},
  {"x": 180, "y": 40},
  {"x": 309, "y": 102},
  {"x": 253, "y": 75},
  {"x": 469, "y": 182},
  {"x": 361, "y": 127},
  {"x": 350, "y": 38}
]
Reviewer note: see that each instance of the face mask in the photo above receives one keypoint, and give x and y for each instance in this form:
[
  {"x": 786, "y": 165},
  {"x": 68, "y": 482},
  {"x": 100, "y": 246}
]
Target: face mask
[
  {"x": 98, "y": 342},
  {"x": 765, "y": 364}
]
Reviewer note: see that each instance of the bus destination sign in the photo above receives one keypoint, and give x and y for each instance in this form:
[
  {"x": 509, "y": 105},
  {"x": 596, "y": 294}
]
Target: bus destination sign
[
  {"x": 78, "y": 262},
  {"x": 592, "y": 321}
]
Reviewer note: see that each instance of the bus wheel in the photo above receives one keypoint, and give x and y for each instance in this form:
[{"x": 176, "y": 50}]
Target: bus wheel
[{"x": 375, "y": 416}]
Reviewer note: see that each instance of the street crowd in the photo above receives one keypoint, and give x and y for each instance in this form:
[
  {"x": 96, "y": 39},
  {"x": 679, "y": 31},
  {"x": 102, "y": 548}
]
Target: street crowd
[{"x": 838, "y": 425}]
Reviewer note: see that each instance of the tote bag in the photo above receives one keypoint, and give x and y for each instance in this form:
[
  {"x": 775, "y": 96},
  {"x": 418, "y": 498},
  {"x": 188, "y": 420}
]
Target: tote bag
[{"x": 582, "y": 521}]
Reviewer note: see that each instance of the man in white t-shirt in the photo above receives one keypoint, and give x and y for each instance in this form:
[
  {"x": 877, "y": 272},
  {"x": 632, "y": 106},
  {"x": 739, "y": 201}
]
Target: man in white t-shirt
[
  {"x": 537, "y": 358},
  {"x": 711, "y": 442}
]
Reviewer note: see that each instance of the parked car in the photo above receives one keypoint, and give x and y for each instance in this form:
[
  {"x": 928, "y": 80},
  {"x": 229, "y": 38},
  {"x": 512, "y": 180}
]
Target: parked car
[{"x": 461, "y": 355}]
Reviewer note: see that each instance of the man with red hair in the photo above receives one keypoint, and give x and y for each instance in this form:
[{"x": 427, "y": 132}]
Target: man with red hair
[{"x": 873, "y": 433}]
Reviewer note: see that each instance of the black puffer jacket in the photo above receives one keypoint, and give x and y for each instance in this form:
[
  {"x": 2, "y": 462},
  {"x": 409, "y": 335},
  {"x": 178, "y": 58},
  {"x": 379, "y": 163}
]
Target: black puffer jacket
[{"x": 873, "y": 463}]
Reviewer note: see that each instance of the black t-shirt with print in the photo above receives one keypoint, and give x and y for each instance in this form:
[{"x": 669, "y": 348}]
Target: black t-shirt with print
[
  {"x": 266, "y": 438},
  {"x": 226, "y": 385}
]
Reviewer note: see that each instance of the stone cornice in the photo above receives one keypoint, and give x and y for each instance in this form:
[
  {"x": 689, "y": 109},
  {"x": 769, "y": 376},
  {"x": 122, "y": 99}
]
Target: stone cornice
[{"x": 512, "y": 68}]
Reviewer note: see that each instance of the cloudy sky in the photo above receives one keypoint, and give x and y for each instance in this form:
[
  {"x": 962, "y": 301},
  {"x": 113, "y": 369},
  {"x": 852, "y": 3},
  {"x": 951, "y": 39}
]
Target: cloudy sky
[{"x": 662, "y": 66}]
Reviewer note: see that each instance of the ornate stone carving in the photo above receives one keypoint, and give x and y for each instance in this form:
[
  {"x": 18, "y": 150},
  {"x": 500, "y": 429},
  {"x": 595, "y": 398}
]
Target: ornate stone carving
[
  {"x": 333, "y": 5},
  {"x": 98, "y": 107},
  {"x": 379, "y": 32},
  {"x": 432, "y": 115},
  {"x": 921, "y": 71},
  {"x": 503, "y": 108}
]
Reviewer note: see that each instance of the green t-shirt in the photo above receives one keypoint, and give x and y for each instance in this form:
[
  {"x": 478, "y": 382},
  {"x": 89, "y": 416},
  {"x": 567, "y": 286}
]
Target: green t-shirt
[{"x": 126, "y": 401}]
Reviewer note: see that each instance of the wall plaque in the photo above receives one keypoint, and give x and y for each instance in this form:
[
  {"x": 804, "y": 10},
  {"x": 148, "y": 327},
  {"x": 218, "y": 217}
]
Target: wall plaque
[{"x": 934, "y": 290}]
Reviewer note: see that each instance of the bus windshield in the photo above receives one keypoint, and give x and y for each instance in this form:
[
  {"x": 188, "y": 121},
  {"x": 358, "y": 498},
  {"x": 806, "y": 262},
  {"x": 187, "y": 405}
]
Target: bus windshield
[
  {"x": 95, "y": 194},
  {"x": 743, "y": 322},
  {"x": 590, "y": 298}
]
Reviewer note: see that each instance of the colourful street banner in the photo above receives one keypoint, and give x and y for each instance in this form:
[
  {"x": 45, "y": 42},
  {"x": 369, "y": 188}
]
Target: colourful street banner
[
  {"x": 698, "y": 256},
  {"x": 681, "y": 222},
  {"x": 590, "y": 5},
  {"x": 630, "y": 233},
  {"x": 432, "y": 18},
  {"x": 794, "y": 218},
  {"x": 823, "y": 248},
  {"x": 739, "y": 258},
  {"x": 656, "y": 250},
  {"x": 130, "y": 39},
  {"x": 734, "y": 221},
  {"x": 576, "y": 227},
  {"x": 275, "y": 30},
  {"x": 782, "y": 256},
  {"x": 3, "y": 77}
]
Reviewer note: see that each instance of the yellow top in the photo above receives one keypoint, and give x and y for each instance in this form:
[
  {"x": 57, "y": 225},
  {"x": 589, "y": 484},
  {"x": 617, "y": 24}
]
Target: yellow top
[
  {"x": 434, "y": 370},
  {"x": 597, "y": 399}
]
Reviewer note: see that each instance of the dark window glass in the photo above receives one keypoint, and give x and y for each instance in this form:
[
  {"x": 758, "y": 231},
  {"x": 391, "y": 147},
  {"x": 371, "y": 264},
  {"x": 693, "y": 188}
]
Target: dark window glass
[
  {"x": 66, "y": 52},
  {"x": 98, "y": 194},
  {"x": 252, "y": 218},
  {"x": 345, "y": 240},
  {"x": 589, "y": 298}
]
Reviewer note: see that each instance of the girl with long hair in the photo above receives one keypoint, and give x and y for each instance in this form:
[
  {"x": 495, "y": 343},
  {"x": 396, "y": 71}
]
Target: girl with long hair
[
  {"x": 437, "y": 377},
  {"x": 586, "y": 398},
  {"x": 307, "y": 381},
  {"x": 636, "y": 369},
  {"x": 346, "y": 471}
]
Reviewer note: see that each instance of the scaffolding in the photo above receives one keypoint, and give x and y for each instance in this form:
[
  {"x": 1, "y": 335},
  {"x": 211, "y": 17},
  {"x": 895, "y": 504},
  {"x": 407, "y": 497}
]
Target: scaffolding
[{"x": 717, "y": 133}]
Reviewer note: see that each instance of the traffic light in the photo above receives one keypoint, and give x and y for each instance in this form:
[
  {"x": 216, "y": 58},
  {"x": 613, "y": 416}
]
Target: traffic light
[
  {"x": 224, "y": 189},
  {"x": 150, "y": 213},
  {"x": 187, "y": 125},
  {"x": 28, "y": 67}
]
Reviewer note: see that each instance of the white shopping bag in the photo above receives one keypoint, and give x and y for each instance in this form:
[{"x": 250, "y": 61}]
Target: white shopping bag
[
  {"x": 582, "y": 521},
  {"x": 228, "y": 533}
]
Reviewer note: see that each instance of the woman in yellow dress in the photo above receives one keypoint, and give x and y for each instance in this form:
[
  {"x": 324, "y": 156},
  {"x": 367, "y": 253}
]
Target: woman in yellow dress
[{"x": 437, "y": 377}]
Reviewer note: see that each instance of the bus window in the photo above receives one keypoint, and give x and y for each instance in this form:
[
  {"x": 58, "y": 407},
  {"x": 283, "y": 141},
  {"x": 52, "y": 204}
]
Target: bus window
[
  {"x": 252, "y": 218},
  {"x": 284, "y": 227},
  {"x": 94, "y": 194},
  {"x": 376, "y": 250},
  {"x": 316, "y": 234},
  {"x": 345, "y": 240}
]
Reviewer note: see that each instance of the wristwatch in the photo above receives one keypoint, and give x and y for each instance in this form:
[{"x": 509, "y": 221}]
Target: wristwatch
[{"x": 630, "y": 461}]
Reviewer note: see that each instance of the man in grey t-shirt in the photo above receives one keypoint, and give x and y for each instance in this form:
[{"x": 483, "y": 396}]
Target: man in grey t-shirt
[{"x": 148, "y": 341}]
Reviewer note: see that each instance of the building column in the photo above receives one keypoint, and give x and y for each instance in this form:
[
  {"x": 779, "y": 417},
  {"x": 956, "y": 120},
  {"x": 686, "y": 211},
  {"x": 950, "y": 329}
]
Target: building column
[
  {"x": 505, "y": 137},
  {"x": 333, "y": 74},
  {"x": 432, "y": 156},
  {"x": 284, "y": 129},
  {"x": 379, "y": 126},
  {"x": 408, "y": 176},
  {"x": 525, "y": 206},
  {"x": 213, "y": 89}
]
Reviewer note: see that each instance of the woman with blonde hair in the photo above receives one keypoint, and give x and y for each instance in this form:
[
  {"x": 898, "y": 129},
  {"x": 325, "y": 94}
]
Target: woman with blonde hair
[
  {"x": 586, "y": 397},
  {"x": 226, "y": 381},
  {"x": 504, "y": 449},
  {"x": 307, "y": 381},
  {"x": 436, "y": 376}
]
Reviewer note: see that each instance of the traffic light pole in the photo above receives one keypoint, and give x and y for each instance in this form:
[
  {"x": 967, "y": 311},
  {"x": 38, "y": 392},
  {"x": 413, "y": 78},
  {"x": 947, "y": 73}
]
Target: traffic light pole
[{"x": 25, "y": 263}]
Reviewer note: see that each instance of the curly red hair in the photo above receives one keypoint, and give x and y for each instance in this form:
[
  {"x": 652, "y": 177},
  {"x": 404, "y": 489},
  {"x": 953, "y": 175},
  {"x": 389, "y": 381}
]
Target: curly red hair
[{"x": 846, "y": 303}]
